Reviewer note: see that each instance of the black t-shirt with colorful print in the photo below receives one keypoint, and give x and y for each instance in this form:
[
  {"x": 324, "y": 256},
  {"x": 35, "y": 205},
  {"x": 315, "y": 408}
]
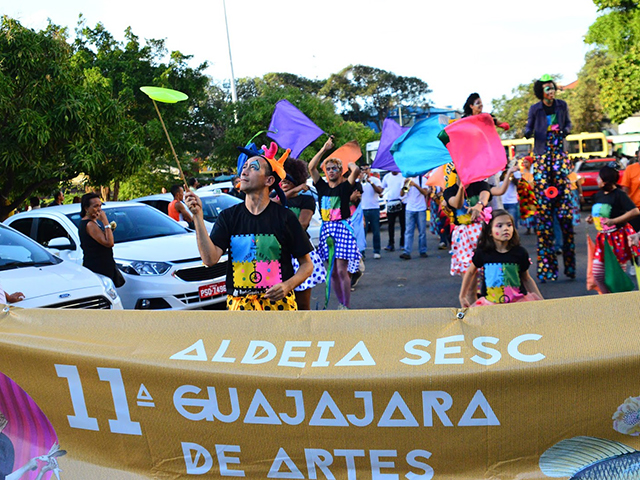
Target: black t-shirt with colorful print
[
  {"x": 502, "y": 281},
  {"x": 461, "y": 216},
  {"x": 301, "y": 202},
  {"x": 260, "y": 246},
  {"x": 610, "y": 205},
  {"x": 334, "y": 202},
  {"x": 550, "y": 112}
]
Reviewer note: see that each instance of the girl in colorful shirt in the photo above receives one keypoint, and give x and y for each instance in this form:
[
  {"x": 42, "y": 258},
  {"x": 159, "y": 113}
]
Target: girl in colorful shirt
[
  {"x": 612, "y": 209},
  {"x": 506, "y": 263}
]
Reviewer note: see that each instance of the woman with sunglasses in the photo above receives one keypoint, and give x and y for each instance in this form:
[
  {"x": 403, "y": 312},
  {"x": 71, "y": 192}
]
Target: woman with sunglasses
[
  {"x": 337, "y": 244},
  {"x": 549, "y": 123}
]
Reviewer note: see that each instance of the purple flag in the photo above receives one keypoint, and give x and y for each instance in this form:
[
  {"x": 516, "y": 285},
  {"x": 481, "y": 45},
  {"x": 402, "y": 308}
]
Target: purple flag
[
  {"x": 390, "y": 132},
  {"x": 291, "y": 128}
]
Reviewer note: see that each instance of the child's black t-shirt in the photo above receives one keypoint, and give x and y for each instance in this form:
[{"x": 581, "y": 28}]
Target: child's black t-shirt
[{"x": 502, "y": 273}]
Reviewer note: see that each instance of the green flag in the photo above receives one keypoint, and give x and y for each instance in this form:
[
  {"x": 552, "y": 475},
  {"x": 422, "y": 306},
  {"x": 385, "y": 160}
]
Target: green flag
[{"x": 615, "y": 277}]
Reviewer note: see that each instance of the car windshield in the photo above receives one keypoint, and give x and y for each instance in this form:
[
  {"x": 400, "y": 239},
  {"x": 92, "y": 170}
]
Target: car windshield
[
  {"x": 593, "y": 166},
  {"x": 213, "y": 205},
  {"x": 16, "y": 251},
  {"x": 137, "y": 223}
]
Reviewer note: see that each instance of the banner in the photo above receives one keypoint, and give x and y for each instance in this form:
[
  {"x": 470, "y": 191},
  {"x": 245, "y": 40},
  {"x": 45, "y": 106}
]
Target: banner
[{"x": 391, "y": 394}]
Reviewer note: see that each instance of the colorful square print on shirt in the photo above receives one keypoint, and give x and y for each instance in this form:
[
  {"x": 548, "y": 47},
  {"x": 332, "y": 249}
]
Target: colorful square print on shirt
[
  {"x": 256, "y": 261},
  {"x": 330, "y": 209},
  {"x": 502, "y": 281},
  {"x": 598, "y": 212}
]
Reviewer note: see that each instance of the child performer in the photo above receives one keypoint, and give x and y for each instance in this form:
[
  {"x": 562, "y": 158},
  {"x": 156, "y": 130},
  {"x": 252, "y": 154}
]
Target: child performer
[
  {"x": 467, "y": 206},
  {"x": 505, "y": 262},
  {"x": 526, "y": 196},
  {"x": 612, "y": 209}
]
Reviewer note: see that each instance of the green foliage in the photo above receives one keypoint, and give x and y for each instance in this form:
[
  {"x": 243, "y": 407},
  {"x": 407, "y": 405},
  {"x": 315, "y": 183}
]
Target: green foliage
[
  {"x": 617, "y": 32},
  {"x": 618, "y": 29},
  {"x": 366, "y": 94},
  {"x": 584, "y": 102},
  {"x": 130, "y": 65},
  {"x": 255, "y": 108},
  {"x": 515, "y": 110},
  {"x": 620, "y": 86},
  {"x": 59, "y": 119}
]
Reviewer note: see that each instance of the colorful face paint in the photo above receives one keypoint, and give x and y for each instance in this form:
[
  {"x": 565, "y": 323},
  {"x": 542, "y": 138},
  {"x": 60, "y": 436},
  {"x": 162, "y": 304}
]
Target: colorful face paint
[{"x": 255, "y": 165}]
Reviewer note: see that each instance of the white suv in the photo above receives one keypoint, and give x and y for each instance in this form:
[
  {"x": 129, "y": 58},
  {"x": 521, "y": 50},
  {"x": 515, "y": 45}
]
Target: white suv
[
  {"x": 46, "y": 280},
  {"x": 158, "y": 258}
]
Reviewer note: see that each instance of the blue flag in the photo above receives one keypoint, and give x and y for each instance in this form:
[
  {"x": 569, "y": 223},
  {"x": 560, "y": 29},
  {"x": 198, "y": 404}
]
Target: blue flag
[{"x": 419, "y": 150}]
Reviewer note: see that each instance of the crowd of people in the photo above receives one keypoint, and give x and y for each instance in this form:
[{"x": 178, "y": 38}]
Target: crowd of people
[
  {"x": 273, "y": 265},
  {"x": 478, "y": 222}
]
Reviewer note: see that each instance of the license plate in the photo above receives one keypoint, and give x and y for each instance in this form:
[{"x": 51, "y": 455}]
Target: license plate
[{"x": 212, "y": 290}]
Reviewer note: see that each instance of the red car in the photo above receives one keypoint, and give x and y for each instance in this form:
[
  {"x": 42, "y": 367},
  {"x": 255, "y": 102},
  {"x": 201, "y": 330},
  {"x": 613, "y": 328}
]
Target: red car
[{"x": 587, "y": 171}]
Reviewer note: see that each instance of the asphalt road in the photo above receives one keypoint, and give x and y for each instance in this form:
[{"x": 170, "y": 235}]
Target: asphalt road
[{"x": 426, "y": 283}]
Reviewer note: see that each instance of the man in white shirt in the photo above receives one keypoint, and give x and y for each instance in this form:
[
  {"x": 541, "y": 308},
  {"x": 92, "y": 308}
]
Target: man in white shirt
[
  {"x": 371, "y": 190},
  {"x": 416, "y": 215},
  {"x": 392, "y": 184}
]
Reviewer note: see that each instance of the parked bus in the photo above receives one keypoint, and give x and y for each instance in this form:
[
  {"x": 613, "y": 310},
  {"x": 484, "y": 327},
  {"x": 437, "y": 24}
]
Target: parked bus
[{"x": 579, "y": 145}]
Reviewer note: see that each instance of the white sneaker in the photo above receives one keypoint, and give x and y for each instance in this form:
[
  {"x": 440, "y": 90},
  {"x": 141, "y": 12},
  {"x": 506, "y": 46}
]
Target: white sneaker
[{"x": 376, "y": 256}]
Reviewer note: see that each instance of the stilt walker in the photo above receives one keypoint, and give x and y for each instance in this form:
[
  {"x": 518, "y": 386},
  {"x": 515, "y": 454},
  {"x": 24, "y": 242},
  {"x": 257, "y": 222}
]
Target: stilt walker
[{"x": 549, "y": 123}]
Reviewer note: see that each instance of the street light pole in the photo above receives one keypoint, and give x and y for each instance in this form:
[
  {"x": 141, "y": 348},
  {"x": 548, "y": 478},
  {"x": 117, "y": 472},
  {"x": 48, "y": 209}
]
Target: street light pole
[{"x": 234, "y": 94}]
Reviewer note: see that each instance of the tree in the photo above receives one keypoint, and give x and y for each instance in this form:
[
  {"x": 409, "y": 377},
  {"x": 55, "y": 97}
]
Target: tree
[
  {"x": 366, "y": 94},
  {"x": 584, "y": 103},
  {"x": 193, "y": 125},
  {"x": 515, "y": 110},
  {"x": 58, "y": 118},
  {"x": 617, "y": 32},
  {"x": 254, "y": 111}
]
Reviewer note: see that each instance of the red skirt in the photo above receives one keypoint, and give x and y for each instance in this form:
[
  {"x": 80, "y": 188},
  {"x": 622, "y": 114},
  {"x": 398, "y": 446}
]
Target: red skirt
[{"x": 619, "y": 242}]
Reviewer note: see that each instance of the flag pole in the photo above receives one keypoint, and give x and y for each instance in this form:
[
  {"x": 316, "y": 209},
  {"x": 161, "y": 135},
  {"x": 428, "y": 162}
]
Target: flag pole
[{"x": 171, "y": 145}]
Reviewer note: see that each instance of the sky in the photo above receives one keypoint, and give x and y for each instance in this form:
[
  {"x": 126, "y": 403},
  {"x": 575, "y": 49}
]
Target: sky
[{"x": 457, "y": 47}]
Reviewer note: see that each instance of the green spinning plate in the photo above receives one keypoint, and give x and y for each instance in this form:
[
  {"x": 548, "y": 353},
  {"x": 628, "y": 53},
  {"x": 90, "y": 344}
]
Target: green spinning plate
[{"x": 164, "y": 95}]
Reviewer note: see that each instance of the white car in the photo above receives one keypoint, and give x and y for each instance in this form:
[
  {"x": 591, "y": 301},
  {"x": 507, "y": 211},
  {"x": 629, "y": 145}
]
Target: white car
[
  {"x": 212, "y": 204},
  {"x": 158, "y": 258},
  {"x": 220, "y": 187},
  {"x": 48, "y": 281}
]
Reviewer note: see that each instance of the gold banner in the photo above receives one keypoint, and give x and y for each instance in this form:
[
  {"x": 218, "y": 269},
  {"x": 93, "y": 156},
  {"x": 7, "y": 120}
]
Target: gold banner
[{"x": 389, "y": 394}]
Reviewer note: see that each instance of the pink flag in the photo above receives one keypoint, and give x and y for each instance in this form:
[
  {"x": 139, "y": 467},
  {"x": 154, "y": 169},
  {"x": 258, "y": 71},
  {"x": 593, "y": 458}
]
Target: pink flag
[{"x": 475, "y": 147}]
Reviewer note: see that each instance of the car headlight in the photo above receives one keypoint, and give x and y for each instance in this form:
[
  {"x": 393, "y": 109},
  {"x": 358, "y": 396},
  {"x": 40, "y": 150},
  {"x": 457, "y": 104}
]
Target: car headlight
[
  {"x": 109, "y": 287},
  {"x": 134, "y": 267}
]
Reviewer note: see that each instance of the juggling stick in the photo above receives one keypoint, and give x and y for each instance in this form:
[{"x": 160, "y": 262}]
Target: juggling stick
[{"x": 166, "y": 95}]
